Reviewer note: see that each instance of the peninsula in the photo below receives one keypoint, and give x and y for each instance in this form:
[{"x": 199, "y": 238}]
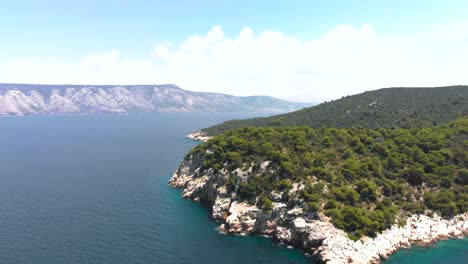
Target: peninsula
[{"x": 344, "y": 195}]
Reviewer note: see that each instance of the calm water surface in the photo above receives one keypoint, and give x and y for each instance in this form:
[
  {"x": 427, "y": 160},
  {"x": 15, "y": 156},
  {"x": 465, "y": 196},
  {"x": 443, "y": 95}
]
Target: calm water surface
[{"x": 93, "y": 189}]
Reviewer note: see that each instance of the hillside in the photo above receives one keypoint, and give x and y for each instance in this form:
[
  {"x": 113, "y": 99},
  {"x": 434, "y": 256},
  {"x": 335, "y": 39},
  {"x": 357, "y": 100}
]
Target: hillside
[
  {"x": 31, "y": 99},
  {"x": 384, "y": 108},
  {"x": 406, "y": 168},
  {"x": 307, "y": 186}
]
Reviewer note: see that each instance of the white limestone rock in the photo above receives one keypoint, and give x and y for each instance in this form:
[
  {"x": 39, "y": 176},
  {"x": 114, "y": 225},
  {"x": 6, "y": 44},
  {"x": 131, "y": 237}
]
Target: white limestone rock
[
  {"x": 242, "y": 218},
  {"x": 199, "y": 136}
]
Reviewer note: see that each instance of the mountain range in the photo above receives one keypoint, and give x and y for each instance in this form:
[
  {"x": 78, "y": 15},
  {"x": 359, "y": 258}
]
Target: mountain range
[{"x": 31, "y": 99}]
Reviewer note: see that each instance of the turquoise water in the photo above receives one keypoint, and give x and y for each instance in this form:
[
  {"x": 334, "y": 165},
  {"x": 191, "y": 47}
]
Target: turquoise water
[
  {"x": 449, "y": 251},
  {"x": 93, "y": 189}
]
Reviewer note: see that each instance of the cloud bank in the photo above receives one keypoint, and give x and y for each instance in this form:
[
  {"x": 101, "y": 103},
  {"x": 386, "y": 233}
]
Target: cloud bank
[{"x": 346, "y": 60}]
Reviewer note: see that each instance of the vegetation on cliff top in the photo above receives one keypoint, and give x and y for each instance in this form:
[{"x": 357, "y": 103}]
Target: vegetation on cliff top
[
  {"x": 390, "y": 107},
  {"x": 361, "y": 178}
]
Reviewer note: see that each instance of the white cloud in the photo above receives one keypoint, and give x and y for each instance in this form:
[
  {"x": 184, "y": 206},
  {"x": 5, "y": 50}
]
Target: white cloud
[
  {"x": 344, "y": 61},
  {"x": 100, "y": 61}
]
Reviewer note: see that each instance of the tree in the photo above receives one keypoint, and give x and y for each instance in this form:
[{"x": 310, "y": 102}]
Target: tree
[
  {"x": 346, "y": 195},
  {"x": 367, "y": 190},
  {"x": 414, "y": 176},
  {"x": 462, "y": 177},
  {"x": 284, "y": 185}
]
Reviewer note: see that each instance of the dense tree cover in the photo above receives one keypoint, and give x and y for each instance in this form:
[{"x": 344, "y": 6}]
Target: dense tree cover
[
  {"x": 361, "y": 178},
  {"x": 390, "y": 107}
]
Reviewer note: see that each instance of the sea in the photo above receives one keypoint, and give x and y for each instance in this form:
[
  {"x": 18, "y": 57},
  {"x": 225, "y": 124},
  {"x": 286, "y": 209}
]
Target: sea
[{"x": 93, "y": 189}]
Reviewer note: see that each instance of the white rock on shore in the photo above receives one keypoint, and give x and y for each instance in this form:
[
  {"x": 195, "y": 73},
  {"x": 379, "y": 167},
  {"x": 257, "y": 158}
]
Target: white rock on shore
[
  {"x": 295, "y": 227},
  {"x": 198, "y": 136},
  {"x": 419, "y": 229}
]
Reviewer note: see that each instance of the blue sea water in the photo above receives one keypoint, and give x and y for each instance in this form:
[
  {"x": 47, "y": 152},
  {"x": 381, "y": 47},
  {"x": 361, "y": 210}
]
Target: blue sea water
[{"x": 93, "y": 189}]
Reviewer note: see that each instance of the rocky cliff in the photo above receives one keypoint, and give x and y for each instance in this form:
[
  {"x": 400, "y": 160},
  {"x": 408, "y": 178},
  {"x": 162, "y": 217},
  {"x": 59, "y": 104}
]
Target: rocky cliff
[
  {"x": 291, "y": 224},
  {"x": 31, "y": 99}
]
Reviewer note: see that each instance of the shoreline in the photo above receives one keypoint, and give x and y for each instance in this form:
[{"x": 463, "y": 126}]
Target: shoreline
[
  {"x": 414, "y": 244},
  {"x": 312, "y": 234}
]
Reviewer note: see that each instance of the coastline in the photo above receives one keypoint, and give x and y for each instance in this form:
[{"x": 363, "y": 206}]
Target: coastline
[{"x": 313, "y": 234}]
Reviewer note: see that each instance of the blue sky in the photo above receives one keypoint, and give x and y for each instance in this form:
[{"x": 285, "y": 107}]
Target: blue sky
[{"x": 54, "y": 38}]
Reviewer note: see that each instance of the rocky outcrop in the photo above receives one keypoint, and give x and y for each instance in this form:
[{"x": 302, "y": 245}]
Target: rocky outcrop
[
  {"x": 242, "y": 218},
  {"x": 199, "y": 136},
  {"x": 313, "y": 234}
]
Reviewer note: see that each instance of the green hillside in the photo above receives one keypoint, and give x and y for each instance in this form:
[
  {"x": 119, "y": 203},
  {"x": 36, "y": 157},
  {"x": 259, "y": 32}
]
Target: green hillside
[
  {"x": 364, "y": 179},
  {"x": 384, "y": 108}
]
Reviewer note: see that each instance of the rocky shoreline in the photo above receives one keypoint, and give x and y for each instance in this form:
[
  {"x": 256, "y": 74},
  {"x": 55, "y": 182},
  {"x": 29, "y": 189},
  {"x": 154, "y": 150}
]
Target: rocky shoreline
[
  {"x": 311, "y": 232},
  {"x": 198, "y": 136}
]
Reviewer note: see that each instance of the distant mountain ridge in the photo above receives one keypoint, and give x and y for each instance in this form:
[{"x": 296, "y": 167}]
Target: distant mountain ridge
[
  {"x": 31, "y": 99},
  {"x": 387, "y": 107}
]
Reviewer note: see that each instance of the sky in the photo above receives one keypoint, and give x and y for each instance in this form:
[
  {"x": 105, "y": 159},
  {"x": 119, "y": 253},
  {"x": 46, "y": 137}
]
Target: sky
[{"x": 307, "y": 51}]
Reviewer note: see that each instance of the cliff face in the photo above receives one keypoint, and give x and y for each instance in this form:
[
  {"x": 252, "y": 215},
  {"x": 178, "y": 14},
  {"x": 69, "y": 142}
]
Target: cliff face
[{"x": 292, "y": 225}]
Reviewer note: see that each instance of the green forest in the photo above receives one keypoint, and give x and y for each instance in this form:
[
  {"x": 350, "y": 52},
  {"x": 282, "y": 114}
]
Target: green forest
[
  {"x": 364, "y": 179},
  {"x": 388, "y": 108}
]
